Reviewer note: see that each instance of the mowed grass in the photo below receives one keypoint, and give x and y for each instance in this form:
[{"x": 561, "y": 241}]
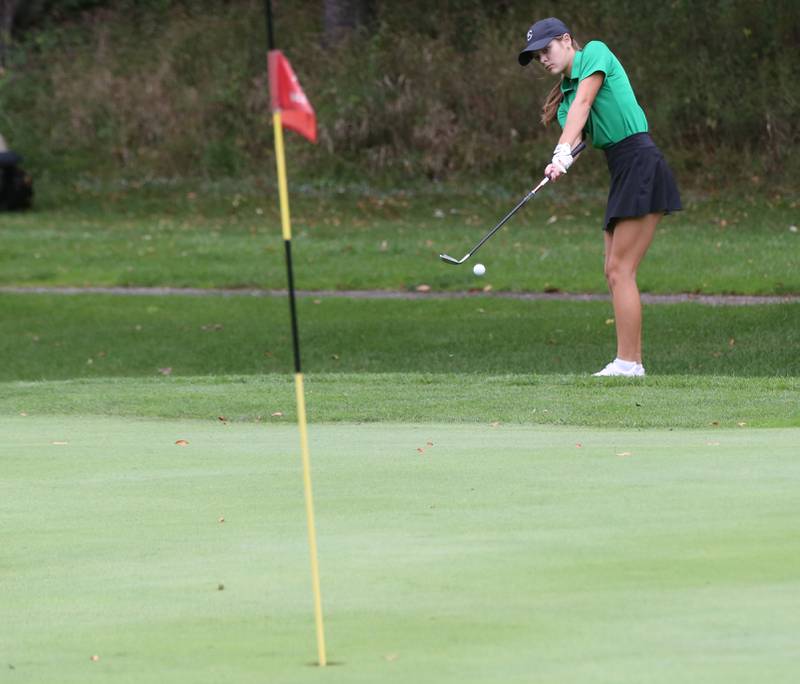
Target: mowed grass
[
  {"x": 669, "y": 402},
  {"x": 481, "y": 516},
  {"x": 472, "y": 360},
  {"x": 449, "y": 553},
  {"x": 205, "y": 235},
  {"x": 50, "y": 337}
]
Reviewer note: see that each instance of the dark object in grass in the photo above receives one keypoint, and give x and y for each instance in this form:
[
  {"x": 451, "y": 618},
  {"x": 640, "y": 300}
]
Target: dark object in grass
[{"x": 16, "y": 186}]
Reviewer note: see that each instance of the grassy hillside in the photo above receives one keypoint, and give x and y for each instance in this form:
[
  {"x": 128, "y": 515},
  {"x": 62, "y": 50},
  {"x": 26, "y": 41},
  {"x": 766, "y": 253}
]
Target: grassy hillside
[{"x": 167, "y": 88}]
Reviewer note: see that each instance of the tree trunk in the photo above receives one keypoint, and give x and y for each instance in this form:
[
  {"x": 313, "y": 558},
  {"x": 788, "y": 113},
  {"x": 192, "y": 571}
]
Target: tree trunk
[
  {"x": 341, "y": 17},
  {"x": 7, "y": 8}
]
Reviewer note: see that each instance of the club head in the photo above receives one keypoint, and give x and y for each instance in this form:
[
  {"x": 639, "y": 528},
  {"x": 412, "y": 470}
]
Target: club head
[{"x": 450, "y": 260}]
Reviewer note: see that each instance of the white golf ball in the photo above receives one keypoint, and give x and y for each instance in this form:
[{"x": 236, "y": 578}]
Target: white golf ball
[{"x": 479, "y": 269}]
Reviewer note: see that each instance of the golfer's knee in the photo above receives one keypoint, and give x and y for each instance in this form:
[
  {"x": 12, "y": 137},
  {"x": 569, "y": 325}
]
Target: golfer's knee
[{"x": 618, "y": 273}]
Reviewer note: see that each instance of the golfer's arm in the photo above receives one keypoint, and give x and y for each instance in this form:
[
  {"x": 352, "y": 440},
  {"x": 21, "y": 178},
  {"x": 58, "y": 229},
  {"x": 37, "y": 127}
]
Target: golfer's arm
[{"x": 579, "y": 110}]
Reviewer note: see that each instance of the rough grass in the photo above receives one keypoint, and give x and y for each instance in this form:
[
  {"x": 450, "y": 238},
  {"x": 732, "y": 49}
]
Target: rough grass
[{"x": 49, "y": 337}]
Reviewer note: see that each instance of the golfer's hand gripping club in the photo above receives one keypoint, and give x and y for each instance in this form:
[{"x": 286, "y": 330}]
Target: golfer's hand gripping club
[{"x": 457, "y": 262}]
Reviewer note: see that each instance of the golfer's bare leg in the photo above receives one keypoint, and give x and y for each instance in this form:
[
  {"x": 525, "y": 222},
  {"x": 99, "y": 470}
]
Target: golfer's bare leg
[{"x": 625, "y": 248}]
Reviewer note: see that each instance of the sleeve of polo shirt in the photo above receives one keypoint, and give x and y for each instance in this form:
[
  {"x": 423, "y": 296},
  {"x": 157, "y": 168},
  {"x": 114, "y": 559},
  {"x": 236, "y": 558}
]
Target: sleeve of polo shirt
[
  {"x": 596, "y": 57},
  {"x": 561, "y": 114}
]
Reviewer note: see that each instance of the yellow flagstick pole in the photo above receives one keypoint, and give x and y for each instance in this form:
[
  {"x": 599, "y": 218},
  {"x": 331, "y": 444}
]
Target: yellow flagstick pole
[{"x": 299, "y": 390}]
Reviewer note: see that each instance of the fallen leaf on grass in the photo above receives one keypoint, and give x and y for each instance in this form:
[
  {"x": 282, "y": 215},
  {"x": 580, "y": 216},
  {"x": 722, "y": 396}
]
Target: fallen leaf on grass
[{"x": 182, "y": 443}]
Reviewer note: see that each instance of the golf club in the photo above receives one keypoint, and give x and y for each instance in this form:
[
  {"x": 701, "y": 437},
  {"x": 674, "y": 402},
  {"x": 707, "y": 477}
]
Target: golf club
[{"x": 456, "y": 262}]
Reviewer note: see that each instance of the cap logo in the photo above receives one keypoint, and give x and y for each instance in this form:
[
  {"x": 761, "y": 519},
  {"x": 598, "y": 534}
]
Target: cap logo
[{"x": 530, "y": 34}]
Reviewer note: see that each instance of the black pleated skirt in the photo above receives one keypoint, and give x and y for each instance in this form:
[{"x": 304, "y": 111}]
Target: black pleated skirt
[{"x": 641, "y": 180}]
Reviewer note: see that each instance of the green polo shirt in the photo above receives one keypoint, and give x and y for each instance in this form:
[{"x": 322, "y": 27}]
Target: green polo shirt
[{"x": 615, "y": 113}]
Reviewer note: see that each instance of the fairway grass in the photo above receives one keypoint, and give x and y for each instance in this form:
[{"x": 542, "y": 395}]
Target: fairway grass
[
  {"x": 660, "y": 402},
  {"x": 449, "y": 553},
  {"x": 487, "y": 511},
  {"x": 738, "y": 243}
]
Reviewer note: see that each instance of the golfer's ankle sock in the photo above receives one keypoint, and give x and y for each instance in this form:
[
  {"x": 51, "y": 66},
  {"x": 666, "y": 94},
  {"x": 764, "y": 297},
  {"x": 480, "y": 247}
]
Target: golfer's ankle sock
[{"x": 624, "y": 365}]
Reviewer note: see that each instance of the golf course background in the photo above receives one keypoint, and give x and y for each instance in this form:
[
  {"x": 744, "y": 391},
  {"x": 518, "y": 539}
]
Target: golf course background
[
  {"x": 414, "y": 93},
  {"x": 486, "y": 510}
]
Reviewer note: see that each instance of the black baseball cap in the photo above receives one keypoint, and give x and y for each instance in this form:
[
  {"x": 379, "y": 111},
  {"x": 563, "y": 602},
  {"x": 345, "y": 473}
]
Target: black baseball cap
[{"x": 539, "y": 37}]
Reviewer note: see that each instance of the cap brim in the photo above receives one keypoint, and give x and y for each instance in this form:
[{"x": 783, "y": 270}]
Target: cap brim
[{"x": 526, "y": 56}]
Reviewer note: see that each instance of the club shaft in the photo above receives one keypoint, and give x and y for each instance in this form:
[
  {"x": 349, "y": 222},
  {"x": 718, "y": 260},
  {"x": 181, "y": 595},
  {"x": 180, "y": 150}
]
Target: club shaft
[
  {"x": 503, "y": 221},
  {"x": 450, "y": 260}
]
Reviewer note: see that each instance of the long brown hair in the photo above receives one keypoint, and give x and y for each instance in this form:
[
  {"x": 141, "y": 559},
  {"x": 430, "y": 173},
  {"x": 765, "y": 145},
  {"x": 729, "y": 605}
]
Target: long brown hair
[{"x": 554, "y": 97}]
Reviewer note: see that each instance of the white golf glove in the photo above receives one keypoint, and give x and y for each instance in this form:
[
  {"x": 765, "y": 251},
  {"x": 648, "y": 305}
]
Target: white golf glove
[{"x": 562, "y": 157}]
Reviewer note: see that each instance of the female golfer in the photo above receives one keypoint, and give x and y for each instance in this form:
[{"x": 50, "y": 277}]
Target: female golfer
[{"x": 595, "y": 98}]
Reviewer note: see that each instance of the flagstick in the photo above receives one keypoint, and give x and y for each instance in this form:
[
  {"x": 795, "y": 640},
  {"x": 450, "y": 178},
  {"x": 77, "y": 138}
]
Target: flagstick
[{"x": 299, "y": 391}]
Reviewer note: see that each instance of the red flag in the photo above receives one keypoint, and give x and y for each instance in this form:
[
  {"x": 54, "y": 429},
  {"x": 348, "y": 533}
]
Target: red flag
[{"x": 286, "y": 95}]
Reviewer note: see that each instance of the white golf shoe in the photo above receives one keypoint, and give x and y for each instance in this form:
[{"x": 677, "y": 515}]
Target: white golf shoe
[{"x": 623, "y": 369}]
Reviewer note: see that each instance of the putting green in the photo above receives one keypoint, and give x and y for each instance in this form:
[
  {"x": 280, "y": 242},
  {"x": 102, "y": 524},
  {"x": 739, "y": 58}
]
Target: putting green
[{"x": 448, "y": 553}]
